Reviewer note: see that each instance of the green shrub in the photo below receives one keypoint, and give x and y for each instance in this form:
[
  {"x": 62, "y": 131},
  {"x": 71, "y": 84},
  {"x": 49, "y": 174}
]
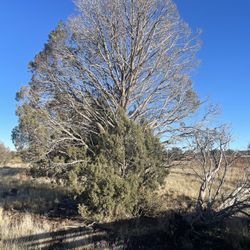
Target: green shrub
[
  {"x": 116, "y": 175},
  {"x": 118, "y": 181}
]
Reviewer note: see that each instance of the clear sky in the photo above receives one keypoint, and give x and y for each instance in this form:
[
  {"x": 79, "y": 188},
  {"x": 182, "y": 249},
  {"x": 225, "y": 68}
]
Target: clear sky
[{"x": 224, "y": 74}]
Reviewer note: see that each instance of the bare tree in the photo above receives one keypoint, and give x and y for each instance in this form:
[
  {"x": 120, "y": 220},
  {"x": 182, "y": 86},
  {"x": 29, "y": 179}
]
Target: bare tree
[
  {"x": 137, "y": 54},
  {"x": 218, "y": 196},
  {"x": 130, "y": 55}
]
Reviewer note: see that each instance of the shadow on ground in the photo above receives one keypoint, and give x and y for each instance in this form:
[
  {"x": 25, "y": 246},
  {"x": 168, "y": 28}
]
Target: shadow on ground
[
  {"x": 165, "y": 232},
  {"x": 80, "y": 237},
  {"x": 10, "y": 171},
  {"x": 20, "y": 192}
]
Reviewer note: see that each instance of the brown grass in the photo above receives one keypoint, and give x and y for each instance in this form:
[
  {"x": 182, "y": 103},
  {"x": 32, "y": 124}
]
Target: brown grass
[
  {"x": 25, "y": 205},
  {"x": 20, "y": 210},
  {"x": 19, "y": 191},
  {"x": 182, "y": 185},
  {"x": 13, "y": 227}
]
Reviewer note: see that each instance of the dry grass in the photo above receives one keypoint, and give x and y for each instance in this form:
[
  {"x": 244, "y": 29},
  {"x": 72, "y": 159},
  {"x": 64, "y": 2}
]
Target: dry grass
[
  {"x": 19, "y": 191},
  {"x": 27, "y": 231},
  {"x": 23, "y": 199},
  {"x": 20, "y": 199},
  {"x": 25, "y": 206},
  {"x": 182, "y": 185},
  {"x": 13, "y": 227}
]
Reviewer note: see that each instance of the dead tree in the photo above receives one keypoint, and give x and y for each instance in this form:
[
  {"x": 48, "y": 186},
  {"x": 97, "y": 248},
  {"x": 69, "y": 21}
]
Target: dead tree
[{"x": 218, "y": 197}]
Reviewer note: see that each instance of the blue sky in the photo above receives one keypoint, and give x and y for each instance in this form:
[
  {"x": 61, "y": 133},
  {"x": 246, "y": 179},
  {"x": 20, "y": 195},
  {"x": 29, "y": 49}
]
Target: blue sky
[{"x": 224, "y": 74}]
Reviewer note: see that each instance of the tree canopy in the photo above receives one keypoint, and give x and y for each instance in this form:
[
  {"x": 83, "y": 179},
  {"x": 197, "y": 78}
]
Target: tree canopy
[{"x": 134, "y": 55}]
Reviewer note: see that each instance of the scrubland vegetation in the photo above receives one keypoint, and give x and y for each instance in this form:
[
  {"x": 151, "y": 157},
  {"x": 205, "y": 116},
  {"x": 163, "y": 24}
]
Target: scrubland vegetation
[
  {"x": 109, "y": 98},
  {"x": 34, "y": 212}
]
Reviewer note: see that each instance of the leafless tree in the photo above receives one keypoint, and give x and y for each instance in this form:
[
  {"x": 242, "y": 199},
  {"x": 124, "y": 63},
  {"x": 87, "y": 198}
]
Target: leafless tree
[
  {"x": 133, "y": 55},
  {"x": 137, "y": 54},
  {"x": 218, "y": 196}
]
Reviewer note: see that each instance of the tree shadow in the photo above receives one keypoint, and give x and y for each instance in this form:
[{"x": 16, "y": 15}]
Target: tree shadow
[
  {"x": 83, "y": 237},
  {"x": 138, "y": 233},
  {"x": 10, "y": 171},
  {"x": 22, "y": 193},
  {"x": 167, "y": 231}
]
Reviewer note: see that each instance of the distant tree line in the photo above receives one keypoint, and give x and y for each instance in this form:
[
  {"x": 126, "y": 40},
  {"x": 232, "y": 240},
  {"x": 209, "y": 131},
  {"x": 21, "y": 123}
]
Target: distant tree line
[{"x": 5, "y": 154}]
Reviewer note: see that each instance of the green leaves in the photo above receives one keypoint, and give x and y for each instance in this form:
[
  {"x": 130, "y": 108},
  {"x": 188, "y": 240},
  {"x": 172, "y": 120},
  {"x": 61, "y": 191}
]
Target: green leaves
[{"x": 128, "y": 165}]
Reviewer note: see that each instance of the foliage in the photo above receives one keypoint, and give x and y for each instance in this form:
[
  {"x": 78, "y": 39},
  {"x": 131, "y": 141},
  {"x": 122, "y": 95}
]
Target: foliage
[
  {"x": 120, "y": 172},
  {"x": 175, "y": 153}
]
